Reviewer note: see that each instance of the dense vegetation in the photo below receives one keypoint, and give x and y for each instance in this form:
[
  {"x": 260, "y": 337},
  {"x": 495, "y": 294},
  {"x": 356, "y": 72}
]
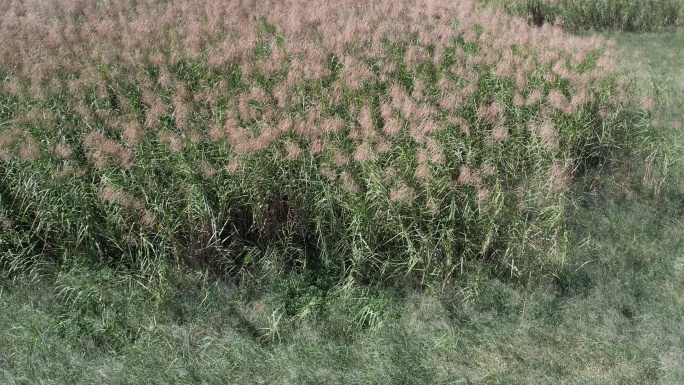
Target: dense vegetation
[
  {"x": 370, "y": 141},
  {"x": 618, "y": 15},
  {"x": 298, "y": 192}
]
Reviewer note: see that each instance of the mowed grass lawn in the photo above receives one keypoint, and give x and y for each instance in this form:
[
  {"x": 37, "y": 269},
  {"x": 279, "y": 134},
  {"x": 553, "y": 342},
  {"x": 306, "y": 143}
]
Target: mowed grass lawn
[{"x": 613, "y": 314}]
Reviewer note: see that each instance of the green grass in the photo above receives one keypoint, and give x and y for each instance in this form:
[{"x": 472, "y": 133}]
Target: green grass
[
  {"x": 660, "y": 55},
  {"x": 600, "y": 15},
  {"x": 610, "y": 313},
  {"x": 613, "y": 318}
]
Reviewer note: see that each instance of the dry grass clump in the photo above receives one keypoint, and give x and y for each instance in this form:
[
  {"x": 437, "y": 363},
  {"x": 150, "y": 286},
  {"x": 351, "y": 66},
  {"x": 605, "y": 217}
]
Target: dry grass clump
[{"x": 379, "y": 139}]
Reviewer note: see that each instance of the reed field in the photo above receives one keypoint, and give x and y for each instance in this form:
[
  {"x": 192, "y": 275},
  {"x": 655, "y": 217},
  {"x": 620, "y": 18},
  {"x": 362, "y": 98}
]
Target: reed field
[
  {"x": 617, "y": 15},
  {"x": 414, "y": 142},
  {"x": 250, "y": 191}
]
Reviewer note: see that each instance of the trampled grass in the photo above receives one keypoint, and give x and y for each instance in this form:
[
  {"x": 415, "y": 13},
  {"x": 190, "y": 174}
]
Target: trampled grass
[{"x": 609, "y": 312}]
